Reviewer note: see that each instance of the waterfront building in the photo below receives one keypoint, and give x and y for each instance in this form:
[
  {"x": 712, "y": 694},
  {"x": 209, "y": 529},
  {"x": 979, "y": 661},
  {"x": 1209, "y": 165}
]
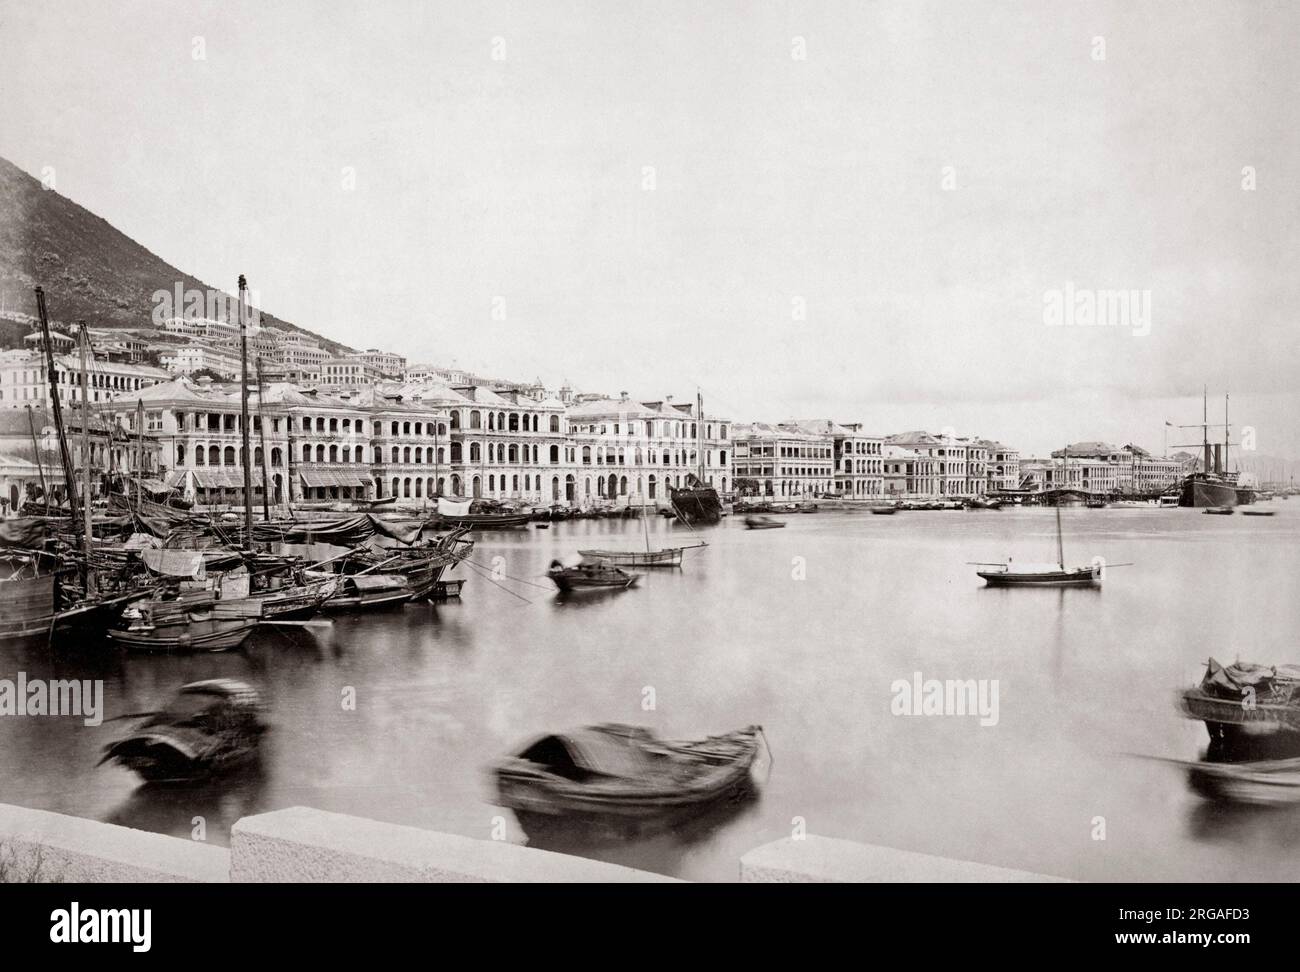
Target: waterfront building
[
  {"x": 782, "y": 462},
  {"x": 910, "y": 474},
  {"x": 348, "y": 372},
  {"x": 859, "y": 463},
  {"x": 509, "y": 447},
  {"x": 1102, "y": 468},
  {"x": 961, "y": 463},
  {"x": 627, "y": 450},
  {"x": 1003, "y": 465}
]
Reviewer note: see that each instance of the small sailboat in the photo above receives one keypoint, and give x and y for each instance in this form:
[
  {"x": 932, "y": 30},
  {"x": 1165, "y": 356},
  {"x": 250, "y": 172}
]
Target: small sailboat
[
  {"x": 590, "y": 576},
  {"x": 662, "y": 557},
  {"x": 1042, "y": 575}
]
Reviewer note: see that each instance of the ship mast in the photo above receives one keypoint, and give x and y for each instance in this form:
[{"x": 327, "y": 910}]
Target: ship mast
[
  {"x": 1060, "y": 543},
  {"x": 85, "y": 459},
  {"x": 65, "y": 455},
  {"x": 40, "y": 467},
  {"x": 699, "y": 428},
  {"x": 243, "y": 415}
]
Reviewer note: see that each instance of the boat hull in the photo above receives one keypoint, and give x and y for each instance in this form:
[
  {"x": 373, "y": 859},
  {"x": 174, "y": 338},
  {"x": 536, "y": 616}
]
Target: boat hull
[
  {"x": 698, "y": 505},
  {"x": 1083, "y": 577},
  {"x": 671, "y": 557},
  {"x": 204, "y": 635},
  {"x": 1199, "y": 492}
]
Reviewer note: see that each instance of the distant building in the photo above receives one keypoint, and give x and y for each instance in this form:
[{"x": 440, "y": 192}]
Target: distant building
[{"x": 785, "y": 462}]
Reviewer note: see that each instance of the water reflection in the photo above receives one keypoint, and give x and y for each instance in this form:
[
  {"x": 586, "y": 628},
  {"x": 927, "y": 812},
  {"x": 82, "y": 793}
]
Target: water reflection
[{"x": 443, "y": 691}]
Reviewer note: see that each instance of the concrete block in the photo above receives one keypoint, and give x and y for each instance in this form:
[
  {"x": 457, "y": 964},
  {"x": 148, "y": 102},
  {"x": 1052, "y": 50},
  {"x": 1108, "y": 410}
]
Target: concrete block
[
  {"x": 305, "y": 845},
  {"x": 828, "y": 860},
  {"x": 37, "y": 845}
]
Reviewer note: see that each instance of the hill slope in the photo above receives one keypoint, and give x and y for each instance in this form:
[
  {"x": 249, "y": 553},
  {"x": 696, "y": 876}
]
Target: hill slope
[{"x": 90, "y": 270}]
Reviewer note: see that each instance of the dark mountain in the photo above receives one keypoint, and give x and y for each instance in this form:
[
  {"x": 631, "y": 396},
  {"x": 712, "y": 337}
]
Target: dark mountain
[{"x": 90, "y": 271}]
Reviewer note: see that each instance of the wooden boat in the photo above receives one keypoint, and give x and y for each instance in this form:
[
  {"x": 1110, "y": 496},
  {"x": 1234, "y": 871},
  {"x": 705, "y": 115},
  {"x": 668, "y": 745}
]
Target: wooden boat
[
  {"x": 487, "y": 521},
  {"x": 26, "y": 596},
  {"x": 1257, "y": 512},
  {"x": 189, "y": 623},
  {"x": 1242, "y": 703},
  {"x": 624, "y": 771},
  {"x": 295, "y": 603},
  {"x": 884, "y": 510},
  {"x": 663, "y": 557},
  {"x": 1218, "y": 511},
  {"x": 1041, "y": 575},
  {"x": 590, "y": 576},
  {"x": 358, "y": 592},
  {"x": 209, "y": 728},
  {"x": 762, "y": 523}
]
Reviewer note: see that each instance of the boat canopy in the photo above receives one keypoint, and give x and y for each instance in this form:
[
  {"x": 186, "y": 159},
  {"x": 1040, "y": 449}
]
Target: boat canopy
[{"x": 606, "y": 750}]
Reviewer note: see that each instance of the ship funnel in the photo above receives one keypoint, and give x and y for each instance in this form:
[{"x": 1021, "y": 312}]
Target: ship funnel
[{"x": 1218, "y": 458}]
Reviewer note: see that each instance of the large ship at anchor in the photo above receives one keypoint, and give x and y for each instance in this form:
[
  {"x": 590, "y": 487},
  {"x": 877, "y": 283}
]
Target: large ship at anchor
[
  {"x": 1213, "y": 485},
  {"x": 697, "y": 502}
]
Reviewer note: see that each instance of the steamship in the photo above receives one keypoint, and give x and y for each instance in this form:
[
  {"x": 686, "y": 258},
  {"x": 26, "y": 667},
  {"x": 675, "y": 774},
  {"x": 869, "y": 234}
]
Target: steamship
[{"x": 1213, "y": 485}]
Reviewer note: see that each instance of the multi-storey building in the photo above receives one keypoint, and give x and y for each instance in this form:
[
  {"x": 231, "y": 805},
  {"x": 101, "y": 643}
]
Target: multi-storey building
[
  {"x": 909, "y": 473},
  {"x": 961, "y": 464},
  {"x": 23, "y": 378},
  {"x": 387, "y": 364},
  {"x": 784, "y": 462},
  {"x": 186, "y": 359},
  {"x": 624, "y": 447},
  {"x": 1099, "y": 467},
  {"x": 348, "y": 373},
  {"x": 1003, "y": 465},
  {"x": 859, "y": 466}
]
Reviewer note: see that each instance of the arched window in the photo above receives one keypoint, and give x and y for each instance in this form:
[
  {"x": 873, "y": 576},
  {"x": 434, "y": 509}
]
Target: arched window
[
  {"x": 456, "y": 457},
  {"x": 586, "y": 456},
  {"x": 475, "y": 452},
  {"x": 555, "y": 423},
  {"x": 214, "y": 456},
  {"x": 306, "y": 453},
  {"x": 320, "y": 453},
  {"x": 396, "y": 453},
  {"x": 334, "y": 453},
  {"x": 555, "y": 454},
  {"x": 257, "y": 456},
  {"x": 475, "y": 419},
  {"x": 180, "y": 455},
  {"x": 419, "y": 455},
  {"x": 406, "y": 454},
  {"x": 455, "y": 420},
  {"x": 419, "y": 488},
  {"x": 229, "y": 457},
  {"x": 406, "y": 487},
  {"x": 347, "y": 453}
]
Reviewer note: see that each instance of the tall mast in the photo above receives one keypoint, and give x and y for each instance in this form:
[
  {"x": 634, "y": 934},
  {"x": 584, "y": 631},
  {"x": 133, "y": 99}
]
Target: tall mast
[
  {"x": 699, "y": 428},
  {"x": 1060, "y": 544},
  {"x": 65, "y": 454},
  {"x": 36, "y": 451},
  {"x": 1225, "y": 432},
  {"x": 1205, "y": 427},
  {"x": 85, "y": 458},
  {"x": 243, "y": 415},
  {"x": 139, "y": 452},
  {"x": 261, "y": 434}
]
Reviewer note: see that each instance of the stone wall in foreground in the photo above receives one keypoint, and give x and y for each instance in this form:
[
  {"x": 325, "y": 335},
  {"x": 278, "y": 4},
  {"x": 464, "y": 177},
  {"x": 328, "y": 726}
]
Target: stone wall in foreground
[{"x": 305, "y": 845}]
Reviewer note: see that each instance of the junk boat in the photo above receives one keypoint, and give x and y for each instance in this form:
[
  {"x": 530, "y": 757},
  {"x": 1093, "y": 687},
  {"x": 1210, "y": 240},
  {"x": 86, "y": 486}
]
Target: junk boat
[
  {"x": 697, "y": 502},
  {"x": 194, "y": 621},
  {"x": 624, "y": 771},
  {"x": 588, "y": 576},
  {"x": 471, "y": 515},
  {"x": 209, "y": 728},
  {"x": 1243, "y": 702}
]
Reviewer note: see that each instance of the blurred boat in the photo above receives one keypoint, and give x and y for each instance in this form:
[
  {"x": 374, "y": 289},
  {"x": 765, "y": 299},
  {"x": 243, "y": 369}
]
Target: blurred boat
[
  {"x": 1261, "y": 782},
  {"x": 587, "y": 576},
  {"x": 1218, "y": 511},
  {"x": 209, "y": 728},
  {"x": 1242, "y": 702},
  {"x": 1257, "y": 512},
  {"x": 762, "y": 523},
  {"x": 624, "y": 771},
  {"x": 884, "y": 510}
]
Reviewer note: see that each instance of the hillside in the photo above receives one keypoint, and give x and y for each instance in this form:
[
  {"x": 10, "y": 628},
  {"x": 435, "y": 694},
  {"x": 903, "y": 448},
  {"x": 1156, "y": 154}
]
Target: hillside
[{"x": 90, "y": 271}]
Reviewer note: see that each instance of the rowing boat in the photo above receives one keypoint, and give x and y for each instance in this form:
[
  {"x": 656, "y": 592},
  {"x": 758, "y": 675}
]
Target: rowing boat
[{"x": 590, "y": 576}]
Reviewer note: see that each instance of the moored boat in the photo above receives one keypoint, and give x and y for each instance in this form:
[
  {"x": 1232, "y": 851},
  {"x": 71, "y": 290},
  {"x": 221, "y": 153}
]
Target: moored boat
[
  {"x": 1243, "y": 702},
  {"x": 189, "y": 623},
  {"x": 624, "y": 771},
  {"x": 590, "y": 576},
  {"x": 762, "y": 523},
  {"x": 1040, "y": 575}
]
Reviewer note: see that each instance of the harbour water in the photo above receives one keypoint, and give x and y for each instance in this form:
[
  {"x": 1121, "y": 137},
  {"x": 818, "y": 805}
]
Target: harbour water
[{"x": 803, "y": 630}]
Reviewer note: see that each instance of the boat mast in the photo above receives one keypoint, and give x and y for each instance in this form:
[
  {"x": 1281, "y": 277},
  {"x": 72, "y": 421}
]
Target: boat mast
[
  {"x": 1225, "y": 432},
  {"x": 1205, "y": 427},
  {"x": 85, "y": 458},
  {"x": 139, "y": 452},
  {"x": 699, "y": 428},
  {"x": 261, "y": 436},
  {"x": 1060, "y": 545},
  {"x": 36, "y": 451},
  {"x": 243, "y": 415},
  {"x": 56, "y": 405}
]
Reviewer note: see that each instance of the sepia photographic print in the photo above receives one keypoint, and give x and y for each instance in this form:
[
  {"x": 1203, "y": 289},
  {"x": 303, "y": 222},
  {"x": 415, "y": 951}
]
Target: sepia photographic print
[{"x": 673, "y": 445}]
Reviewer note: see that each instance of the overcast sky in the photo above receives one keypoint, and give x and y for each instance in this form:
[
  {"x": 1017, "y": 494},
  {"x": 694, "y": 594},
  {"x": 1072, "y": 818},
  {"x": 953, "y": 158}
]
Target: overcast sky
[{"x": 867, "y": 232}]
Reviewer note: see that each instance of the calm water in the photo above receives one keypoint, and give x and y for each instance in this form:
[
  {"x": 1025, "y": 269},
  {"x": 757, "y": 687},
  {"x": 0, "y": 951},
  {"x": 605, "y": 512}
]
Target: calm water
[{"x": 1085, "y": 678}]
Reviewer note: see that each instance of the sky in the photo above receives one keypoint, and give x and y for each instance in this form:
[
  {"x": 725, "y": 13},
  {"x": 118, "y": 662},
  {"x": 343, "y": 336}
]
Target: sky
[{"x": 856, "y": 210}]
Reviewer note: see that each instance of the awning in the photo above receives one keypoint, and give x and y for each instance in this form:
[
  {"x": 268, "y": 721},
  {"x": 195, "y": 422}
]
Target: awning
[
  {"x": 216, "y": 478},
  {"x": 316, "y": 478}
]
